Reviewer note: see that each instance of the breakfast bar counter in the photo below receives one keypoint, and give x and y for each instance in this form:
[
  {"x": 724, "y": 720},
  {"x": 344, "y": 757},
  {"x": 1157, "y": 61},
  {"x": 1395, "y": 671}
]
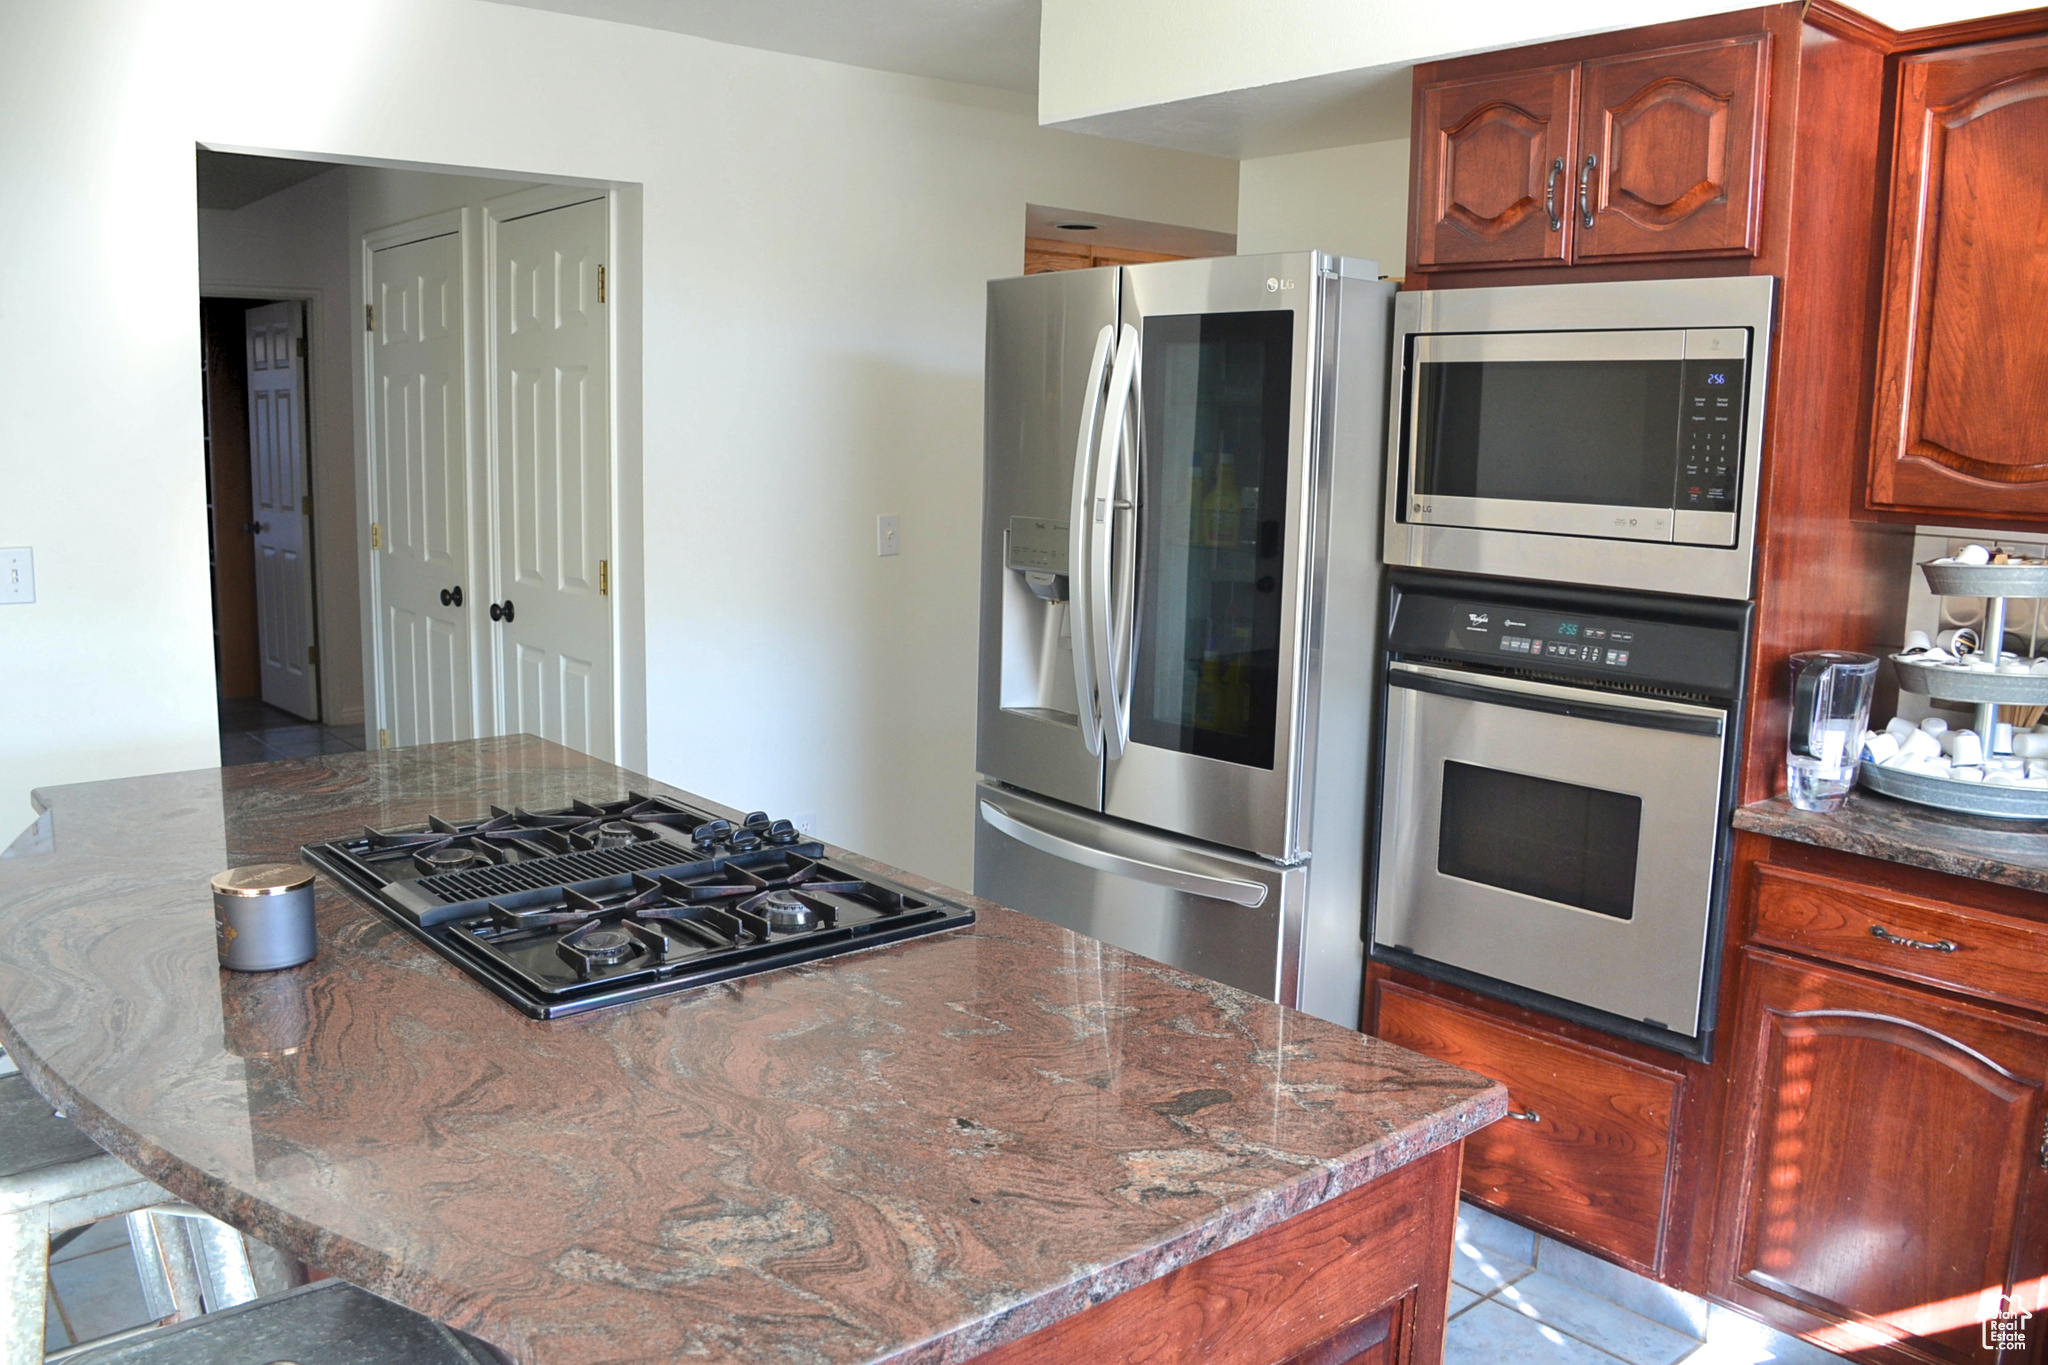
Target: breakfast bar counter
[{"x": 923, "y": 1152}]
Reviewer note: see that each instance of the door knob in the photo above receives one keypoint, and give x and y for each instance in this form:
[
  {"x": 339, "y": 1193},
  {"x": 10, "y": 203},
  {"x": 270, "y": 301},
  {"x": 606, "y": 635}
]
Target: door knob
[
  {"x": 256, "y": 528},
  {"x": 501, "y": 611},
  {"x": 452, "y": 597}
]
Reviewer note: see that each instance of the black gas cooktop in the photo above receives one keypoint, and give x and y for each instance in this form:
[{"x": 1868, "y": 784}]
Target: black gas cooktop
[{"x": 600, "y": 903}]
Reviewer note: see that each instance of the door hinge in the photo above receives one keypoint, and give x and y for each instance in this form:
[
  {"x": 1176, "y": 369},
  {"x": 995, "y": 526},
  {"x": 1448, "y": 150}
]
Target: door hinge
[
  {"x": 600, "y": 284},
  {"x": 604, "y": 577},
  {"x": 313, "y": 654},
  {"x": 369, "y": 317},
  {"x": 376, "y": 536},
  {"x": 306, "y": 505},
  {"x": 302, "y": 348},
  {"x": 383, "y": 739}
]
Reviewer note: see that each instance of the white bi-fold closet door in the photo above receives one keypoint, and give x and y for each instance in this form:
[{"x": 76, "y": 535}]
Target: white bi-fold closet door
[{"x": 490, "y": 450}]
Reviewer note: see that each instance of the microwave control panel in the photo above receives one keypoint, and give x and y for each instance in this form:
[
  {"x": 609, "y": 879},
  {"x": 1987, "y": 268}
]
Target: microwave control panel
[
  {"x": 1695, "y": 657},
  {"x": 1710, "y": 436}
]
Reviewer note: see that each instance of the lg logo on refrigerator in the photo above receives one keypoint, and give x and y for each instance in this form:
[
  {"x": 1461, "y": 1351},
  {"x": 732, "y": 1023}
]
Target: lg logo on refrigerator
[{"x": 1274, "y": 284}]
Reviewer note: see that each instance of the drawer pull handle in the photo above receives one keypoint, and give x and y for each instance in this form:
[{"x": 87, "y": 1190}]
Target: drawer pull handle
[
  {"x": 1529, "y": 1117},
  {"x": 1940, "y": 945}
]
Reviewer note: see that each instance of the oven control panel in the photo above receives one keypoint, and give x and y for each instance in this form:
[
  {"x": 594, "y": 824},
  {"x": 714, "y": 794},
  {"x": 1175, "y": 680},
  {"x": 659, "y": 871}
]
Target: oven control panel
[{"x": 1591, "y": 644}]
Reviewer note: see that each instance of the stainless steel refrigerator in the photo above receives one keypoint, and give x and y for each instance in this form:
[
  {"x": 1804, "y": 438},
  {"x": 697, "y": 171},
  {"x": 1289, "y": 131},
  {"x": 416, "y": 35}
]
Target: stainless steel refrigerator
[{"x": 1179, "y": 609}]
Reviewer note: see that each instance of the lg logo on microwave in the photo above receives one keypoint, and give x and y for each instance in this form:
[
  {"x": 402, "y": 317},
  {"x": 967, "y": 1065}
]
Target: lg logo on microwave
[
  {"x": 1425, "y": 507},
  {"x": 1274, "y": 284}
]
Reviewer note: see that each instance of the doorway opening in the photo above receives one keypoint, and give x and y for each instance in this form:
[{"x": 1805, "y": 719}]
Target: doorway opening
[
  {"x": 467, "y": 375},
  {"x": 265, "y": 655}
]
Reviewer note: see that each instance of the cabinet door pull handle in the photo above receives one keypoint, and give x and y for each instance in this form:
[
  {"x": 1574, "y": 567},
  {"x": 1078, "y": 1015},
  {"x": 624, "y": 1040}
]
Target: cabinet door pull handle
[
  {"x": 1940, "y": 945},
  {"x": 1550, "y": 194},
  {"x": 502, "y": 612},
  {"x": 1526, "y": 1116},
  {"x": 1585, "y": 190}
]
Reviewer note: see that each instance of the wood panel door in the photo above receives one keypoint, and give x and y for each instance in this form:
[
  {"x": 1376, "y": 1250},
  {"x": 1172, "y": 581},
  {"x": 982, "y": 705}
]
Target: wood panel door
[
  {"x": 1493, "y": 170},
  {"x": 419, "y": 453},
  {"x": 1886, "y": 1162},
  {"x": 1961, "y": 417},
  {"x": 1670, "y": 154},
  {"x": 551, "y": 463},
  {"x": 281, "y": 511}
]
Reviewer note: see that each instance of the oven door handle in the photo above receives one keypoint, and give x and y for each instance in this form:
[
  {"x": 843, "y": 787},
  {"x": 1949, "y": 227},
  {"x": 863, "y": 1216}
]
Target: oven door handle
[{"x": 1645, "y": 713}]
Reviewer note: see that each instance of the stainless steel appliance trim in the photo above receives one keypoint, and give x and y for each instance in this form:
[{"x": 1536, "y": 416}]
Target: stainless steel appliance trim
[
  {"x": 1248, "y": 894},
  {"x": 1706, "y": 561},
  {"x": 1506, "y": 688},
  {"x": 1582, "y": 519},
  {"x": 1656, "y": 344},
  {"x": 1078, "y": 537}
]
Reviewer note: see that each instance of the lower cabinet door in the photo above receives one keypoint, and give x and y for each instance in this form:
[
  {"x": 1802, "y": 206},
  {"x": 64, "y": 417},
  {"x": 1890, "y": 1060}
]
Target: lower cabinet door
[
  {"x": 1886, "y": 1150},
  {"x": 1585, "y": 1151}
]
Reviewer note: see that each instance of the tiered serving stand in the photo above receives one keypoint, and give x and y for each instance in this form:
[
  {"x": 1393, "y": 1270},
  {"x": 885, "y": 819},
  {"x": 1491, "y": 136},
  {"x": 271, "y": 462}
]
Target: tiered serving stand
[{"x": 1986, "y": 690}]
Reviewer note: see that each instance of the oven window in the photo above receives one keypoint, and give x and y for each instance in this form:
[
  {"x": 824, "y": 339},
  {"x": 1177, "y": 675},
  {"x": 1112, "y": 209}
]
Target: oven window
[
  {"x": 1553, "y": 840},
  {"x": 1603, "y": 432}
]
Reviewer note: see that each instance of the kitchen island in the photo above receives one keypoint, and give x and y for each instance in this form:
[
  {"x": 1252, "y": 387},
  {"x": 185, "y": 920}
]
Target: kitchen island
[{"x": 1004, "y": 1140}]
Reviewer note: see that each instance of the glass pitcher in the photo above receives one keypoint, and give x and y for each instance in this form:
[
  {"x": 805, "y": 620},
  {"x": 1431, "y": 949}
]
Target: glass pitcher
[{"x": 1831, "y": 692}]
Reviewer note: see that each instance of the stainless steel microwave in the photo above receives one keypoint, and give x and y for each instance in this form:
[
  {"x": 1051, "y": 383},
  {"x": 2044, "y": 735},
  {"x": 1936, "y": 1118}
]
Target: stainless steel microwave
[{"x": 1605, "y": 434}]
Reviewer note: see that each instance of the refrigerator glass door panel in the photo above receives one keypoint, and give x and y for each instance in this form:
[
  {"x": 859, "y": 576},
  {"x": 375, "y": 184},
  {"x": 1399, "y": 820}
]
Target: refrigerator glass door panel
[
  {"x": 1234, "y": 920},
  {"x": 1571, "y": 854},
  {"x": 1043, "y": 339},
  {"x": 1227, "y": 433}
]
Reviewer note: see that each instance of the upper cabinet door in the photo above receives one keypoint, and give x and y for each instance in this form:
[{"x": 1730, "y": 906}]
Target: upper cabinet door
[
  {"x": 1962, "y": 378},
  {"x": 1493, "y": 170},
  {"x": 1670, "y": 155}
]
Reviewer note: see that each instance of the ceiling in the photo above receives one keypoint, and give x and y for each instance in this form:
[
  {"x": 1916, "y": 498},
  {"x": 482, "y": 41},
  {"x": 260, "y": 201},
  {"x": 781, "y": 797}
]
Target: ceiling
[
  {"x": 980, "y": 42},
  {"x": 228, "y": 180}
]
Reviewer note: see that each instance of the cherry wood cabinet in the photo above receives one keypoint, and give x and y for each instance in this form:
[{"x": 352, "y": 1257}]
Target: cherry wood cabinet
[
  {"x": 1495, "y": 167},
  {"x": 1363, "y": 1279},
  {"x": 1671, "y": 152},
  {"x": 1653, "y": 155},
  {"x": 1961, "y": 409},
  {"x": 1887, "y": 1171},
  {"x": 1586, "y": 1150}
]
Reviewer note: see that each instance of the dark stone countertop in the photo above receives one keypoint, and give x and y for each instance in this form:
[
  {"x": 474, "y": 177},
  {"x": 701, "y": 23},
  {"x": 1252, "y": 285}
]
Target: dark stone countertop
[
  {"x": 910, "y": 1154},
  {"x": 2010, "y": 852}
]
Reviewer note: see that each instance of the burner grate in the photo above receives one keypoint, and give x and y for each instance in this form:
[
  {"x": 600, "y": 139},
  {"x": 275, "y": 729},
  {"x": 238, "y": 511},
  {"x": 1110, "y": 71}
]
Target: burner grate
[{"x": 539, "y": 874}]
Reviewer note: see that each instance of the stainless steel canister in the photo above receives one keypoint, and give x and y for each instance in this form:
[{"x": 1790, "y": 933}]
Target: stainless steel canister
[{"x": 263, "y": 916}]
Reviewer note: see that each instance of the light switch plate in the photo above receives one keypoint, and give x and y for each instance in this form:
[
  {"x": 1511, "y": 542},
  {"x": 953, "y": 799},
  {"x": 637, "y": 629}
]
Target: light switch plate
[
  {"x": 888, "y": 534},
  {"x": 17, "y": 576}
]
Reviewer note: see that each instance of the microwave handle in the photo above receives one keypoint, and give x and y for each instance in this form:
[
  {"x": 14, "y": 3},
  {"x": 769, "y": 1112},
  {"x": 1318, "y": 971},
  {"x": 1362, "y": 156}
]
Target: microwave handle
[{"x": 1644, "y": 713}]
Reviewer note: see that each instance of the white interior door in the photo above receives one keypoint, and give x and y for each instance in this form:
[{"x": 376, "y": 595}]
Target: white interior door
[
  {"x": 551, "y": 464},
  {"x": 420, "y": 469},
  {"x": 282, "y": 511}
]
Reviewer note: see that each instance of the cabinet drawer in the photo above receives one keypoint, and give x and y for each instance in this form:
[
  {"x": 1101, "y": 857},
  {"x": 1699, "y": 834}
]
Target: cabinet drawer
[
  {"x": 1590, "y": 1157},
  {"x": 1973, "y": 951}
]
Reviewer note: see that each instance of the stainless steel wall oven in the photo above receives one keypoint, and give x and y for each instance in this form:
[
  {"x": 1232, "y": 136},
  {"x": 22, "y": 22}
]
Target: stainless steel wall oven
[{"x": 1558, "y": 770}]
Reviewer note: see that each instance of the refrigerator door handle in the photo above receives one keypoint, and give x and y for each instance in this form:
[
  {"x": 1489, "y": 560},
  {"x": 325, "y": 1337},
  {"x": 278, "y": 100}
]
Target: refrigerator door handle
[
  {"x": 1248, "y": 894},
  {"x": 1113, "y": 507},
  {"x": 1079, "y": 540}
]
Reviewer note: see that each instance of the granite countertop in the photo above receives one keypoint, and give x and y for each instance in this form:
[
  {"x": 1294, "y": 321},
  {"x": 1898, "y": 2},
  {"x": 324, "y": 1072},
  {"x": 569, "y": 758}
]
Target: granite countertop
[
  {"x": 910, "y": 1154},
  {"x": 2010, "y": 852}
]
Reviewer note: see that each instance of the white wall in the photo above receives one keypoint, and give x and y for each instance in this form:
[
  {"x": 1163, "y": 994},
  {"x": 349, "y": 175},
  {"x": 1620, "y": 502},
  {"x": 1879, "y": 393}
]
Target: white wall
[
  {"x": 1352, "y": 200},
  {"x": 1096, "y": 59},
  {"x": 816, "y": 238},
  {"x": 292, "y": 243}
]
